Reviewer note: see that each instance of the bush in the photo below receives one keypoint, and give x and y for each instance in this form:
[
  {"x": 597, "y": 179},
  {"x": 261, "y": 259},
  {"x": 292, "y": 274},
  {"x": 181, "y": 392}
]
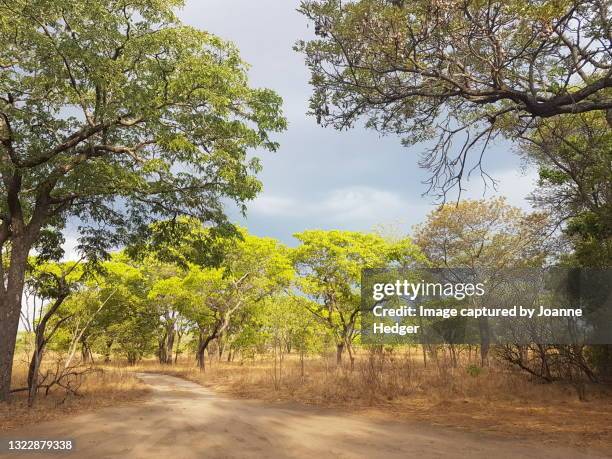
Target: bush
[{"x": 473, "y": 370}]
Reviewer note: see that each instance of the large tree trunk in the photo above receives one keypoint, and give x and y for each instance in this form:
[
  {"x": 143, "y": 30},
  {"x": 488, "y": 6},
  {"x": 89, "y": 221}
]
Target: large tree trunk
[
  {"x": 10, "y": 308},
  {"x": 202, "y": 347},
  {"x": 10, "y": 305}
]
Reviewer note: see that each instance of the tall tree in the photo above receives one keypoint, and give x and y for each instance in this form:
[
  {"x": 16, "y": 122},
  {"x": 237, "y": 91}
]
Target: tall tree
[
  {"x": 461, "y": 71},
  {"x": 485, "y": 237},
  {"x": 126, "y": 321},
  {"x": 252, "y": 269},
  {"x": 117, "y": 114},
  {"x": 574, "y": 157},
  {"x": 168, "y": 297},
  {"x": 330, "y": 263}
]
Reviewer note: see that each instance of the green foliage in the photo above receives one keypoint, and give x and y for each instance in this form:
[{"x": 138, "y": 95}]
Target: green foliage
[
  {"x": 51, "y": 280},
  {"x": 574, "y": 157},
  {"x": 473, "y": 370},
  {"x": 331, "y": 262},
  {"x": 288, "y": 323},
  {"x": 181, "y": 242},
  {"x": 113, "y": 303},
  {"x": 117, "y": 113},
  {"x": 253, "y": 268},
  {"x": 247, "y": 301},
  {"x": 329, "y": 265}
]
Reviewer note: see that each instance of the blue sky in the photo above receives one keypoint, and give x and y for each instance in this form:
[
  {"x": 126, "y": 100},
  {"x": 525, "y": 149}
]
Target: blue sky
[{"x": 321, "y": 178}]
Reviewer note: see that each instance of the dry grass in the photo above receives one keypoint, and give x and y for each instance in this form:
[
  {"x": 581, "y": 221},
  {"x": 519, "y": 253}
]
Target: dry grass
[
  {"x": 395, "y": 386},
  {"x": 98, "y": 389},
  {"x": 496, "y": 400}
]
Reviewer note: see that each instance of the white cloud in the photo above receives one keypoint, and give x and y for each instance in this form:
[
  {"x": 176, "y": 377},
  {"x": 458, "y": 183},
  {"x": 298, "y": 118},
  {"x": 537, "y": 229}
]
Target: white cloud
[
  {"x": 361, "y": 204},
  {"x": 274, "y": 206},
  {"x": 358, "y": 206}
]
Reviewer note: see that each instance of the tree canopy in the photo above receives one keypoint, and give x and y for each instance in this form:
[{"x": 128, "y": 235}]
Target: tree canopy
[
  {"x": 456, "y": 73},
  {"x": 573, "y": 154},
  {"x": 330, "y": 265},
  {"x": 118, "y": 113}
]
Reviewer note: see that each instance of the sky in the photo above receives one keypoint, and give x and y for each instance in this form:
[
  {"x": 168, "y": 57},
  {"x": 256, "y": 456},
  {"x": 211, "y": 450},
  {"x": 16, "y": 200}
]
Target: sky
[{"x": 321, "y": 178}]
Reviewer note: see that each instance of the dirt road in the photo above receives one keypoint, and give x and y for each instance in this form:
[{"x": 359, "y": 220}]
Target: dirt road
[{"x": 184, "y": 420}]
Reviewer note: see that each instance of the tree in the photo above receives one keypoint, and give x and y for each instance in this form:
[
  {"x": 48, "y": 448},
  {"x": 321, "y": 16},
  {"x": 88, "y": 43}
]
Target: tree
[
  {"x": 329, "y": 264},
  {"x": 51, "y": 283},
  {"x": 486, "y": 237},
  {"x": 464, "y": 71},
  {"x": 253, "y": 269},
  {"x": 169, "y": 298},
  {"x": 116, "y": 114},
  {"x": 127, "y": 321},
  {"x": 574, "y": 158},
  {"x": 288, "y": 324}
]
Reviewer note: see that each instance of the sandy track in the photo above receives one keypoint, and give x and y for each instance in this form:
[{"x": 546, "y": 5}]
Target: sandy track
[{"x": 184, "y": 420}]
